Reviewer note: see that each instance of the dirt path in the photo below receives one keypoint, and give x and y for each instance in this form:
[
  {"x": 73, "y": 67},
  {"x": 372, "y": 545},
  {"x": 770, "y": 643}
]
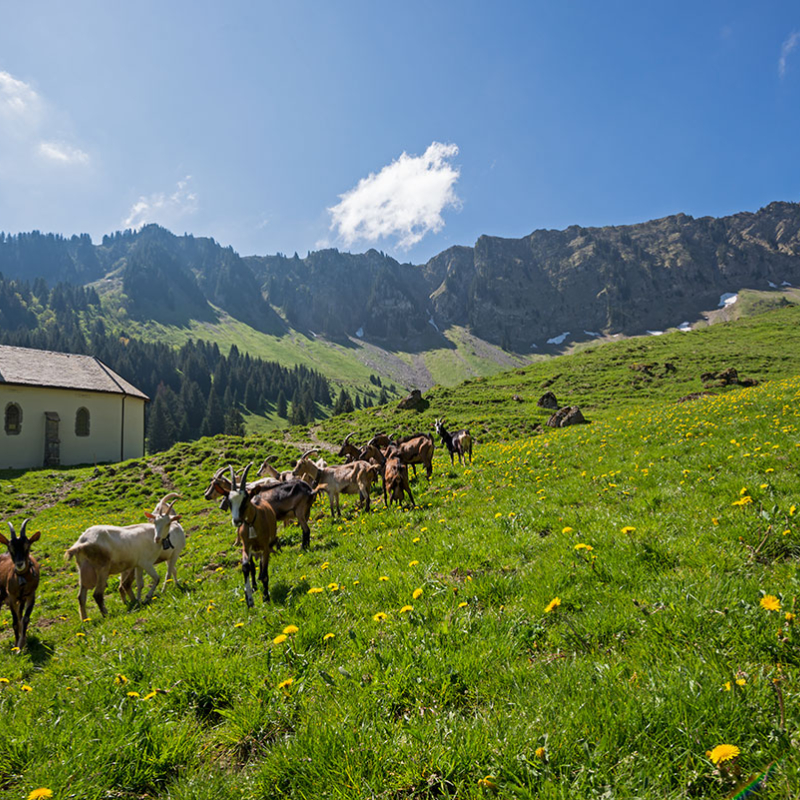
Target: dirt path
[{"x": 315, "y": 442}]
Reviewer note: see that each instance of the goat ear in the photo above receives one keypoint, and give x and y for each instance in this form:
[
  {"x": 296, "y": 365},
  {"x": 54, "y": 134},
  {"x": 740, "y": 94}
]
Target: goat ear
[
  {"x": 175, "y": 518},
  {"x": 35, "y": 537},
  {"x": 149, "y": 515},
  {"x": 3, "y": 539}
]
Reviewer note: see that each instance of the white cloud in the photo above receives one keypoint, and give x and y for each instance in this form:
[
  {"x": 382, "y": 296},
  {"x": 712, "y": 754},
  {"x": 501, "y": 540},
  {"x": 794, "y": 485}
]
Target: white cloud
[
  {"x": 405, "y": 199},
  {"x": 165, "y": 209},
  {"x": 21, "y": 108},
  {"x": 787, "y": 48},
  {"x": 62, "y": 153}
]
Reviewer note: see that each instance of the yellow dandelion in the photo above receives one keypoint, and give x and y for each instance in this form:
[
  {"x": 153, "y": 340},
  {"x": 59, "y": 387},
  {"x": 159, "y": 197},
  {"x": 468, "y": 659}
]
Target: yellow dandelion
[
  {"x": 540, "y": 752},
  {"x": 334, "y": 587},
  {"x": 286, "y": 684},
  {"x": 379, "y": 617},
  {"x": 4, "y": 680},
  {"x": 413, "y": 563},
  {"x": 26, "y": 688},
  {"x": 149, "y": 695},
  {"x": 790, "y": 617},
  {"x": 792, "y": 510},
  {"x": 566, "y": 530},
  {"x": 498, "y": 515},
  {"x": 239, "y": 625},
  {"x": 416, "y": 594},
  {"x": 487, "y": 783},
  {"x": 714, "y": 521},
  {"x": 315, "y": 590},
  {"x": 463, "y": 604},
  {"x": 40, "y": 794},
  {"x": 554, "y": 603},
  {"x": 770, "y": 603},
  {"x": 355, "y": 583},
  {"x": 324, "y": 565},
  {"x": 134, "y": 694},
  {"x": 120, "y": 679},
  {"x": 741, "y": 682},
  {"x": 406, "y": 609},
  {"x": 328, "y": 636},
  {"x": 280, "y": 638},
  {"x": 743, "y": 491},
  {"x": 628, "y": 529},
  {"x": 583, "y": 546},
  {"x": 290, "y": 629},
  {"x": 79, "y": 635},
  {"x": 415, "y": 539},
  {"x": 383, "y": 578},
  {"x": 379, "y": 548},
  {"x": 723, "y": 752},
  {"x": 727, "y": 686}
]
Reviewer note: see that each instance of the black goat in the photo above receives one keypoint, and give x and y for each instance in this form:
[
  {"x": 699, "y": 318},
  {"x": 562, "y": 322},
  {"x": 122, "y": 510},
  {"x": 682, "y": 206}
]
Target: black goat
[
  {"x": 19, "y": 579},
  {"x": 459, "y": 443}
]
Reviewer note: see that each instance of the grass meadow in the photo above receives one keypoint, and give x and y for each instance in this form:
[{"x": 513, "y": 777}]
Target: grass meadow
[{"x": 589, "y": 612}]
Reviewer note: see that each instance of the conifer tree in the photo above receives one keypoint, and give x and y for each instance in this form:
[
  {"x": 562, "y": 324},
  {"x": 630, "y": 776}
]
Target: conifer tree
[{"x": 214, "y": 420}]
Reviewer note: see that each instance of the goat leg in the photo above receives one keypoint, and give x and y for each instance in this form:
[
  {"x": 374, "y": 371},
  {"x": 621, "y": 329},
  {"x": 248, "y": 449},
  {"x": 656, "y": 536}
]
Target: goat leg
[
  {"x": 151, "y": 571},
  {"x": 263, "y": 576},
  {"x": 15, "y": 620},
  {"x": 247, "y": 570},
  {"x": 26, "y": 618}
]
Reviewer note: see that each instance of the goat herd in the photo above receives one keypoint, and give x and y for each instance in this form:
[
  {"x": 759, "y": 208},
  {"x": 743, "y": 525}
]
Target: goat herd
[{"x": 256, "y": 508}]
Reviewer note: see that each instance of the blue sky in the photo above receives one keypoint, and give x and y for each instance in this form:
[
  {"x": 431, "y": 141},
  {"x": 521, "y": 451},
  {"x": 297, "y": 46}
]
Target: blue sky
[{"x": 409, "y": 127}]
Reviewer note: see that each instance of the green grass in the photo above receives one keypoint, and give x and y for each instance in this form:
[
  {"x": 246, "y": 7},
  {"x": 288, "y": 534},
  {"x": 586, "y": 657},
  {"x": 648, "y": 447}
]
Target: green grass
[{"x": 617, "y": 691}]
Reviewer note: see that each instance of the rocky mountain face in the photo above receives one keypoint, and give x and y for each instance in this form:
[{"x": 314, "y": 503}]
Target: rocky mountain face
[{"x": 515, "y": 292}]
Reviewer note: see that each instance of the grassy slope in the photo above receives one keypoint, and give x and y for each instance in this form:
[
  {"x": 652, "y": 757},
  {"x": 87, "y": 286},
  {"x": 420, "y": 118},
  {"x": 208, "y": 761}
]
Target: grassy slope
[{"x": 619, "y": 690}]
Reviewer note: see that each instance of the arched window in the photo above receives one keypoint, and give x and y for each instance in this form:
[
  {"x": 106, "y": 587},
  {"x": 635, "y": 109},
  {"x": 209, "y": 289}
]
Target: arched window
[
  {"x": 82, "y": 422},
  {"x": 13, "y": 419}
]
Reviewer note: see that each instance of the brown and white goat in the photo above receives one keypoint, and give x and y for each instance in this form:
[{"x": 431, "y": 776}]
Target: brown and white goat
[
  {"x": 457, "y": 444},
  {"x": 19, "y": 579},
  {"x": 355, "y": 478},
  {"x": 104, "y": 550},
  {"x": 257, "y": 533},
  {"x": 290, "y": 500}
]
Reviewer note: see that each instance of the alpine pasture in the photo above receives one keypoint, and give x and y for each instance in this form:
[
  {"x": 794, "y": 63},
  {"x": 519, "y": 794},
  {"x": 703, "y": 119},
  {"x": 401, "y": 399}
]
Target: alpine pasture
[{"x": 606, "y": 610}]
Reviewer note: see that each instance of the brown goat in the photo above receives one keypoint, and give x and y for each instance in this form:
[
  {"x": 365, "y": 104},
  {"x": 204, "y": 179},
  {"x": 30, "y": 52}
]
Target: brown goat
[
  {"x": 395, "y": 481},
  {"x": 19, "y": 579},
  {"x": 417, "y": 449}
]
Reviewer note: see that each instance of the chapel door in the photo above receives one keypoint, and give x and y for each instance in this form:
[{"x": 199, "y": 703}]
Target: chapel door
[{"x": 52, "y": 444}]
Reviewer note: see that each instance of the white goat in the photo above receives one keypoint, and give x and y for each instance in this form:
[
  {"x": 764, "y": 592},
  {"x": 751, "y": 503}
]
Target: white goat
[
  {"x": 104, "y": 550},
  {"x": 172, "y": 546}
]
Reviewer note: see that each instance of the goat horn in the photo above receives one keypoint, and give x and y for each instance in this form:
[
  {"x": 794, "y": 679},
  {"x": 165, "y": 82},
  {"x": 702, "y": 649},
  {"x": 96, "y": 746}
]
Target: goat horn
[
  {"x": 22, "y": 529},
  {"x": 244, "y": 475},
  {"x": 169, "y": 508},
  {"x": 346, "y": 438},
  {"x": 13, "y": 532},
  {"x": 233, "y": 478},
  {"x": 308, "y": 453}
]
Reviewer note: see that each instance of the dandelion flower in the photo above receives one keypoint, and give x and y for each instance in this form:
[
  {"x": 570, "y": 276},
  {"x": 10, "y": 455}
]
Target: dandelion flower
[
  {"x": 628, "y": 529},
  {"x": 741, "y": 682},
  {"x": 487, "y": 783},
  {"x": 324, "y": 565},
  {"x": 583, "y": 546},
  {"x": 379, "y": 617},
  {"x": 334, "y": 587},
  {"x": 416, "y": 594},
  {"x": 540, "y": 752},
  {"x": 790, "y": 617},
  {"x": 383, "y": 578},
  {"x": 723, "y": 752},
  {"x": 406, "y": 609},
  {"x": 727, "y": 686},
  {"x": 554, "y": 603},
  {"x": 770, "y": 603},
  {"x": 566, "y": 530},
  {"x": 413, "y": 563},
  {"x": 149, "y": 695},
  {"x": 26, "y": 688},
  {"x": 315, "y": 590},
  {"x": 280, "y": 638},
  {"x": 4, "y": 680},
  {"x": 134, "y": 694},
  {"x": 120, "y": 679},
  {"x": 83, "y": 635},
  {"x": 415, "y": 539},
  {"x": 328, "y": 636},
  {"x": 290, "y": 629},
  {"x": 463, "y": 604},
  {"x": 498, "y": 515},
  {"x": 286, "y": 684},
  {"x": 239, "y": 625},
  {"x": 40, "y": 794}
]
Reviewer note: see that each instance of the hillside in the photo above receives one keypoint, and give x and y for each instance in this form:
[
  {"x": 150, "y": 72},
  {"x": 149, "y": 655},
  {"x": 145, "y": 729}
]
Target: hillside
[{"x": 604, "y": 610}]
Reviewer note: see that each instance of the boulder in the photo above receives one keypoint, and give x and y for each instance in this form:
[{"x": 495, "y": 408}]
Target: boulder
[
  {"x": 413, "y": 402},
  {"x": 547, "y": 400},
  {"x": 569, "y": 415}
]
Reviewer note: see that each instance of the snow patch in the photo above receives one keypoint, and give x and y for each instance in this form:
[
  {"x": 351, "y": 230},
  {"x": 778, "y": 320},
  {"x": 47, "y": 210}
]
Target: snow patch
[
  {"x": 727, "y": 299},
  {"x": 685, "y": 327},
  {"x": 772, "y": 285},
  {"x": 431, "y": 322},
  {"x": 360, "y": 333},
  {"x": 786, "y": 283},
  {"x": 593, "y": 333},
  {"x": 654, "y": 333},
  {"x": 558, "y": 339},
  {"x": 534, "y": 346}
]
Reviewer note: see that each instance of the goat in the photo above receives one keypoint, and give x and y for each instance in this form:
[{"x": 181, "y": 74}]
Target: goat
[
  {"x": 354, "y": 478},
  {"x": 172, "y": 546},
  {"x": 104, "y": 550},
  {"x": 19, "y": 578},
  {"x": 257, "y": 532},
  {"x": 395, "y": 481},
  {"x": 289, "y": 500},
  {"x": 413, "y": 450},
  {"x": 349, "y": 452},
  {"x": 459, "y": 443}
]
